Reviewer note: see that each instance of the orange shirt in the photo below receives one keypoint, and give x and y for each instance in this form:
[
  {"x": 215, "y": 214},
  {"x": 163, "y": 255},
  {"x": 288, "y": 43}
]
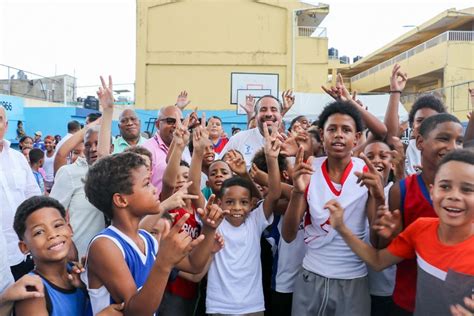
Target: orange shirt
[{"x": 445, "y": 272}]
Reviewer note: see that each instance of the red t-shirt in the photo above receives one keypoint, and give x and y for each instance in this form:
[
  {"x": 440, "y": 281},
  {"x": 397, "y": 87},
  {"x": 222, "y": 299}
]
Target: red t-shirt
[
  {"x": 181, "y": 287},
  {"x": 415, "y": 202},
  {"x": 445, "y": 272}
]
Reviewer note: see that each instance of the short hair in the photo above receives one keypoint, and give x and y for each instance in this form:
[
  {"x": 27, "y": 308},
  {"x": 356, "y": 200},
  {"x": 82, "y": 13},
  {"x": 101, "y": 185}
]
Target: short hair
[
  {"x": 425, "y": 101},
  {"x": 111, "y": 175},
  {"x": 49, "y": 137},
  {"x": 293, "y": 121},
  {"x": 73, "y": 126},
  {"x": 93, "y": 116},
  {"x": 341, "y": 107},
  {"x": 235, "y": 181},
  {"x": 183, "y": 163},
  {"x": 214, "y": 117},
  {"x": 219, "y": 160},
  {"x": 261, "y": 162},
  {"x": 93, "y": 129},
  {"x": 140, "y": 150},
  {"x": 461, "y": 155},
  {"x": 315, "y": 134},
  {"x": 431, "y": 122},
  {"x": 31, "y": 205},
  {"x": 257, "y": 104},
  {"x": 35, "y": 155}
]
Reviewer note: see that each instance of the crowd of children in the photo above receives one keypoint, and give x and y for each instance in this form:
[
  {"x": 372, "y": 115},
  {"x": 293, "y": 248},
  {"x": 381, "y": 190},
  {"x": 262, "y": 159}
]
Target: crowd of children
[{"x": 338, "y": 217}]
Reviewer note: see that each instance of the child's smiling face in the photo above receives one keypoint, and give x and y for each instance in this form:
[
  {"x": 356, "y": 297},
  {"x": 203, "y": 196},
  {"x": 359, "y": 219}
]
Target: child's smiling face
[
  {"x": 453, "y": 193},
  {"x": 238, "y": 201},
  {"x": 379, "y": 155},
  {"x": 47, "y": 235}
]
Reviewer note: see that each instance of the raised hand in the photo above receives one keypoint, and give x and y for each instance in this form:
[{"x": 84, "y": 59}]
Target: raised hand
[
  {"x": 106, "y": 94},
  {"x": 341, "y": 87},
  {"x": 175, "y": 243},
  {"x": 249, "y": 106},
  {"x": 212, "y": 215},
  {"x": 75, "y": 273},
  {"x": 236, "y": 163},
  {"x": 218, "y": 243},
  {"x": 288, "y": 101},
  {"x": 336, "y": 214},
  {"x": 177, "y": 200},
  {"x": 258, "y": 176},
  {"x": 387, "y": 224},
  {"x": 302, "y": 172},
  {"x": 398, "y": 79},
  {"x": 182, "y": 100},
  {"x": 371, "y": 179},
  {"x": 272, "y": 144},
  {"x": 181, "y": 133}
]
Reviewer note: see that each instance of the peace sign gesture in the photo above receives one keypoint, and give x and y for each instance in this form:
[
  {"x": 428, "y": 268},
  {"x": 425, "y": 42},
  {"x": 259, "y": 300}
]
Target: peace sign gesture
[
  {"x": 272, "y": 144},
  {"x": 181, "y": 133},
  {"x": 212, "y": 215},
  {"x": 371, "y": 179},
  {"x": 106, "y": 94}
]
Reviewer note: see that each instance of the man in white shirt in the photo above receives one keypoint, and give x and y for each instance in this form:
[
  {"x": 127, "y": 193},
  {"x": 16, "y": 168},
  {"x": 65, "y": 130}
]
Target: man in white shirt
[
  {"x": 17, "y": 183},
  {"x": 268, "y": 109}
]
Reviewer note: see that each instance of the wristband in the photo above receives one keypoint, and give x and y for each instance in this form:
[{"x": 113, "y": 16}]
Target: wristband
[{"x": 395, "y": 91}]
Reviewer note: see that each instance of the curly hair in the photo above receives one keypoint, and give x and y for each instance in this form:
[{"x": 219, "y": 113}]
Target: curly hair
[
  {"x": 111, "y": 175},
  {"x": 140, "y": 150},
  {"x": 340, "y": 107},
  {"x": 31, "y": 205},
  {"x": 461, "y": 155},
  {"x": 235, "y": 181},
  {"x": 425, "y": 101},
  {"x": 261, "y": 161}
]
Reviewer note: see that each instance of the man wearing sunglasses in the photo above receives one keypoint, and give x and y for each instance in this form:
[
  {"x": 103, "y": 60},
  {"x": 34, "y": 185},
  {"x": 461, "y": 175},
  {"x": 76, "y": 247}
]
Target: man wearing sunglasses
[{"x": 159, "y": 144}]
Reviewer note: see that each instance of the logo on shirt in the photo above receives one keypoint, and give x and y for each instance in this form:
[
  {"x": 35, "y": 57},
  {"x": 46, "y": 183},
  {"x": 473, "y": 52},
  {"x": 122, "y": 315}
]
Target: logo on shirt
[{"x": 247, "y": 150}]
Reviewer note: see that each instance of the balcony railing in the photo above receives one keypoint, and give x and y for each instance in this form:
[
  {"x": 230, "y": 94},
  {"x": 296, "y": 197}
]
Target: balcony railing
[
  {"x": 310, "y": 31},
  {"x": 460, "y": 36}
]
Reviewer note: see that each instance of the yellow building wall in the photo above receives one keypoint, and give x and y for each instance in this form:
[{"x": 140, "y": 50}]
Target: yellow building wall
[{"x": 196, "y": 45}]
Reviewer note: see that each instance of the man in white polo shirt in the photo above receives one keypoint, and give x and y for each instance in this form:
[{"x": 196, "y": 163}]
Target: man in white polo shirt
[{"x": 17, "y": 183}]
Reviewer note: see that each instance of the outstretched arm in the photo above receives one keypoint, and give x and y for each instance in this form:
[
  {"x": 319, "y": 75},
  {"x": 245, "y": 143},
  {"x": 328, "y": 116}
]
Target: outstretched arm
[
  {"x": 200, "y": 141},
  {"x": 376, "y": 259},
  {"x": 469, "y": 135},
  {"x": 398, "y": 81},
  {"x": 106, "y": 100},
  {"x": 271, "y": 150}
]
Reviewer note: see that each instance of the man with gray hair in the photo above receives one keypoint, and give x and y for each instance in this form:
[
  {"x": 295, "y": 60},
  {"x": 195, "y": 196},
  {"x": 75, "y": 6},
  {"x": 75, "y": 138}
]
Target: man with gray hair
[
  {"x": 129, "y": 126},
  {"x": 17, "y": 183},
  {"x": 68, "y": 189},
  {"x": 268, "y": 110},
  {"x": 159, "y": 144}
]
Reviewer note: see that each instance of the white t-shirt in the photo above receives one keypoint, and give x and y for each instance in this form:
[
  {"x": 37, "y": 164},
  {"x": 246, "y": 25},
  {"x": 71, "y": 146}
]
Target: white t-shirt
[
  {"x": 382, "y": 283},
  {"x": 17, "y": 184},
  {"x": 327, "y": 253},
  {"x": 48, "y": 167},
  {"x": 247, "y": 143},
  {"x": 234, "y": 281},
  {"x": 413, "y": 157},
  {"x": 68, "y": 189},
  {"x": 287, "y": 257}
]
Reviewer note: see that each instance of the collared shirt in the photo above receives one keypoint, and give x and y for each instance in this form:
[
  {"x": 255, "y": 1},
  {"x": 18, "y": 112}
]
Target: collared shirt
[
  {"x": 120, "y": 144},
  {"x": 17, "y": 184},
  {"x": 158, "y": 150},
  {"x": 68, "y": 189}
]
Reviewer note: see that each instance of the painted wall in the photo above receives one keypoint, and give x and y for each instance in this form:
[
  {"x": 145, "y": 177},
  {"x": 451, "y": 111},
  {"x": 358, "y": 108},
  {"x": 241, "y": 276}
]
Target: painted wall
[{"x": 196, "y": 45}]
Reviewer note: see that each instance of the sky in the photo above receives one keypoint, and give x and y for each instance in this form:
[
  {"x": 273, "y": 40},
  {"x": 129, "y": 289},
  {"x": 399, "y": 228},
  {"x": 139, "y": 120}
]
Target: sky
[{"x": 88, "y": 38}]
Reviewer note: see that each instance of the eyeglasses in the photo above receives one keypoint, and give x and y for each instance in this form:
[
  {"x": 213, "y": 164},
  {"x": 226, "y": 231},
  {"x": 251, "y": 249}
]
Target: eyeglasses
[{"x": 170, "y": 120}]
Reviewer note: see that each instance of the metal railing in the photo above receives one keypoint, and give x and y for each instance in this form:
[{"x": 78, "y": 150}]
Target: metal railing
[
  {"x": 312, "y": 31},
  {"x": 462, "y": 36}
]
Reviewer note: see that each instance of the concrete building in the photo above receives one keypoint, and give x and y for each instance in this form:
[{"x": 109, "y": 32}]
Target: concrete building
[
  {"x": 198, "y": 45},
  {"x": 438, "y": 56}
]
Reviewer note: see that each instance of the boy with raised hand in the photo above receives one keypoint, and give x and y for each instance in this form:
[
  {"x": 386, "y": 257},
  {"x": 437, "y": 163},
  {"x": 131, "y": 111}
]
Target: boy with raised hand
[
  {"x": 409, "y": 199},
  {"x": 333, "y": 280},
  {"x": 40, "y": 223},
  {"x": 235, "y": 277},
  {"x": 124, "y": 263},
  {"x": 443, "y": 246}
]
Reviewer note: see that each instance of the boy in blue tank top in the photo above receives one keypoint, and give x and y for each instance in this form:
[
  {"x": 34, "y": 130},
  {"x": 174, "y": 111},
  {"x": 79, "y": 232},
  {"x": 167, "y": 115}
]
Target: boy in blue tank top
[
  {"x": 40, "y": 223},
  {"x": 124, "y": 264}
]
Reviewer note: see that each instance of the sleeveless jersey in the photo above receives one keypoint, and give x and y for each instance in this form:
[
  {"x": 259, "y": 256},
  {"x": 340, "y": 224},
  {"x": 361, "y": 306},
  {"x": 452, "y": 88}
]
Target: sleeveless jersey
[
  {"x": 415, "y": 202},
  {"x": 327, "y": 253},
  {"x": 179, "y": 286},
  {"x": 138, "y": 263},
  {"x": 59, "y": 301}
]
